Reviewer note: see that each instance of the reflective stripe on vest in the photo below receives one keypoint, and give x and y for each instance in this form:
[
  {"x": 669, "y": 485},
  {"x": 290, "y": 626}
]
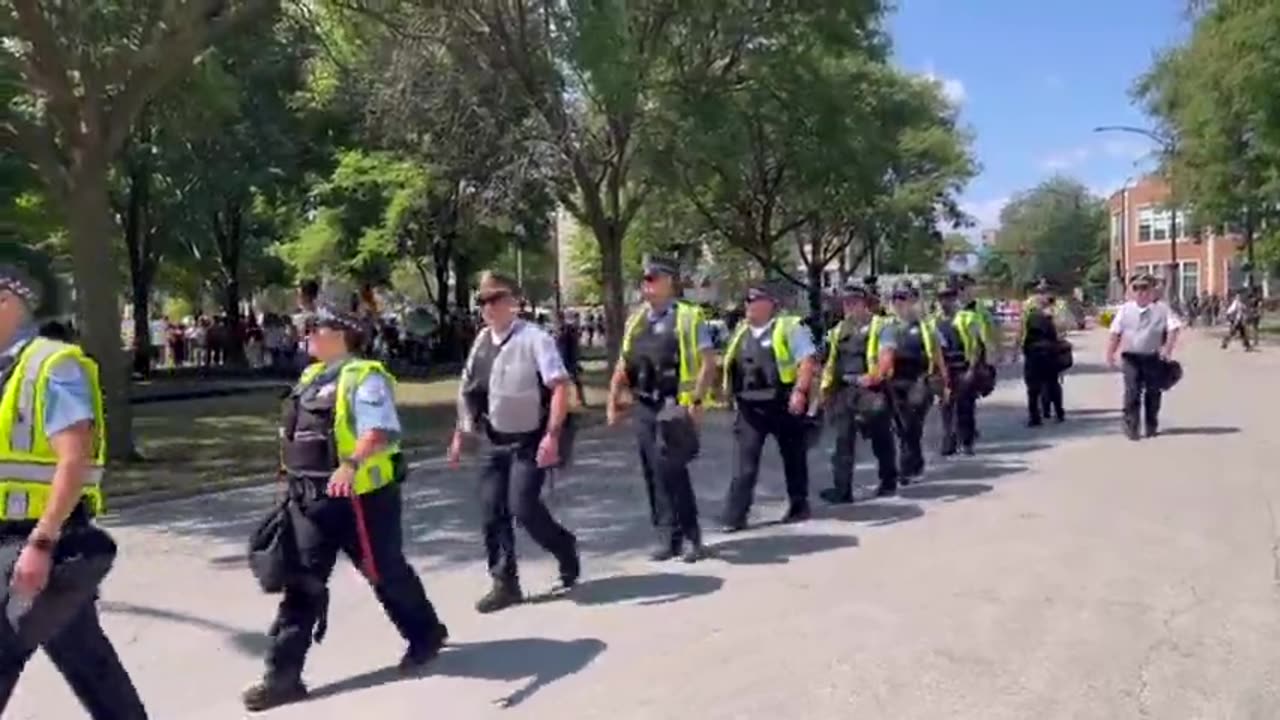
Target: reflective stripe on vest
[
  {"x": 27, "y": 461},
  {"x": 872, "y": 354},
  {"x": 964, "y": 322},
  {"x": 687, "y": 319},
  {"x": 377, "y": 470},
  {"x": 782, "y": 327}
]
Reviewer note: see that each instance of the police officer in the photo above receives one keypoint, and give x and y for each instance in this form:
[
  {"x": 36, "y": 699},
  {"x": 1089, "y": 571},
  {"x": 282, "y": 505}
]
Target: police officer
[
  {"x": 917, "y": 358},
  {"x": 860, "y": 352},
  {"x": 668, "y": 364},
  {"x": 341, "y": 458},
  {"x": 1144, "y": 332},
  {"x": 769, "y": 368},
  {"x": 1040, "y": 347},
  {"x": 988, "y": 329},
  {"x": 52, "y": 453},
  {"x": 963, "y": 352},
  {"x": 514, "y": 391}
]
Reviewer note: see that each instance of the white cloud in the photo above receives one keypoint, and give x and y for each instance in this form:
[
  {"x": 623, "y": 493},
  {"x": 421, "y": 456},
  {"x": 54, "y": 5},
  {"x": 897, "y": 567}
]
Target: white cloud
[
  {"x": 1067, "y": 159},
  {"x": 986, "y": 213},
  {"x": 952, "y": 89}
]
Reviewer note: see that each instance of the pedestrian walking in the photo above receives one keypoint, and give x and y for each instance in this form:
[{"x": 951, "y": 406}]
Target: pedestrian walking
[
  {"x": 1040, "y": 352},
  {"x": 514, "y": 395},
  {"x": 769, "y": 369},
  {"x": 667, "y": 364},
  {"x": 963, "y": 353},
  {"x": 1237, "y": 323},
  {"x": 342, "y": 467},
  {"x": 860, "y": 357},
  {"x": 919, "y": 374},
  {"x": 568, "y": 341},
  {"x": 1145, "y": 333},
  {"x": 52, "y": 456}
]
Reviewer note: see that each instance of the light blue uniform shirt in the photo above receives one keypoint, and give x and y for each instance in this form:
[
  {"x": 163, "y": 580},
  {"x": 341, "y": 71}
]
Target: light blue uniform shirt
[
  {"x": 550, "y": 364},
  {"x": 375, "y": 407},
  {"x": 799, "y": 338},
  {"x": 701, "y": 331},
  {"x": 68, "y": 399}
]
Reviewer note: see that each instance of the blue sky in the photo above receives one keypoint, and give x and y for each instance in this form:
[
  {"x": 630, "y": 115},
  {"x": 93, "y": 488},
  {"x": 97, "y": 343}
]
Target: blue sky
[{"x": 1034, "y": 77}]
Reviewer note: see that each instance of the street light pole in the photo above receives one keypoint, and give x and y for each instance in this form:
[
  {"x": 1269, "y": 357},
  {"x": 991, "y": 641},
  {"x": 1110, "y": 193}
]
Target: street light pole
[{"x": 1170, "y": 148}]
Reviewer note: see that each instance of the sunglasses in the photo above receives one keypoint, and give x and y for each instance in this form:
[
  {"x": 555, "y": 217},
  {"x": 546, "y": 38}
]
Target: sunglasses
[
  {"x": 649, "y": 277},
  {"x": 492, "y": 298}
]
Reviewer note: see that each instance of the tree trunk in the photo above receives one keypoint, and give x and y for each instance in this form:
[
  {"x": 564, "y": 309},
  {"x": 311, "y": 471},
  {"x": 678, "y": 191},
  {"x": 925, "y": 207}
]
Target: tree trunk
[
  {"x": 814, "y": 290},
  {"x": 137, "y": 228},
  {"x": 611, "y": 286},
  {"x": 229, "y": 234},
  {"x": 97, "y": 283}
]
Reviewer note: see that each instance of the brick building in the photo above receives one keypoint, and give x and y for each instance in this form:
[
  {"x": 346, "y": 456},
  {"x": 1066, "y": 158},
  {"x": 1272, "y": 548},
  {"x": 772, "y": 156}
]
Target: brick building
[{"x": 1142, "y": 229}]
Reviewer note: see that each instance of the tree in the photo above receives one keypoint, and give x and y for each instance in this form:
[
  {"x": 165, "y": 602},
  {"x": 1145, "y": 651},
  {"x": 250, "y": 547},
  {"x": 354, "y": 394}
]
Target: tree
[
  {"x": 1215, "y": 96},
  {"x": 87, "y": 71},
  {"x": 1056, "y": 230},
  {"x": 809, "y": 141}
]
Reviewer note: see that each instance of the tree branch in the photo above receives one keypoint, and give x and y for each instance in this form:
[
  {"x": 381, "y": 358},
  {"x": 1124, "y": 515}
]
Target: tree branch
[
  {"x": 45, "y": 65},
  {"x": 194, "y": 26}
]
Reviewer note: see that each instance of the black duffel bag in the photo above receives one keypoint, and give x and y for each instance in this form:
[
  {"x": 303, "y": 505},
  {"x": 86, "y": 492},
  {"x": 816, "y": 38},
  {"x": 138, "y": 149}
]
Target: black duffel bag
[
  {"x": 983, "y": 379},
  {"x": 1170, "y": 374},
  {"x": 82, "y": 558},
  {"x": 1064, "y": 356},
  {"x": 273, "y": 549}
]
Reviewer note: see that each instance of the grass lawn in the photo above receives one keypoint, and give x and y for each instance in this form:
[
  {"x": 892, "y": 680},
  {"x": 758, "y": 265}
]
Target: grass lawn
[{"x": 195, "y": 446}]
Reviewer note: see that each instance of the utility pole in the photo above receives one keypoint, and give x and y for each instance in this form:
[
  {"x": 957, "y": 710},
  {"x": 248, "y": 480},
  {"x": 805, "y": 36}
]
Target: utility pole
[{"x": 1169, "y": 146}]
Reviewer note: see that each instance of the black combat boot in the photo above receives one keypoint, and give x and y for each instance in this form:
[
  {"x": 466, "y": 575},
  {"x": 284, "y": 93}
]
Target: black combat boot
[
  {"x": 948, "y": 446},
  {"x": 668, "y": 547},
  {"x": 888, "y": 488},
  {"x": 797, "y": 512},
  {"x": 693, "y": 549},
  {"x": 424, "y": 651},
  {"x": 836, "y": 496},
  {"x": 570, "y": 567},
  {"x": 274, "y": 690},
  {"x": 501, "y": 596}
]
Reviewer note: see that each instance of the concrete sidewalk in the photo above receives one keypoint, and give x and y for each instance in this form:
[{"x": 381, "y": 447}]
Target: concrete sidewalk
[{"x": 1065, "y": 572}]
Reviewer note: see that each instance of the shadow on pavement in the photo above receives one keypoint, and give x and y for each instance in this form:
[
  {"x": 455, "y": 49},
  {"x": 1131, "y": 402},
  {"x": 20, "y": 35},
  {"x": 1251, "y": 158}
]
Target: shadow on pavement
[
  {"x": 1206, "y": 430},
  {"x": 1089, "y": 368},
  {"x": 778, "y": 549},
  {"x": 945, "y": 491},
  {"x": 973, "y": 469},
  {"x": 648, "y": 589},
  {"x": 254, "y": 644},
  {"x": 539, "y": 660},
  {"x": 876, "y": 514}
]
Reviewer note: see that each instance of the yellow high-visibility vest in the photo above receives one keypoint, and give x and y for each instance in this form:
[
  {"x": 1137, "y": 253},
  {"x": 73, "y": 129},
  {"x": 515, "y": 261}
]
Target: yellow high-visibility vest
[
  {"x": 782, "y": 326},
  {"x": 833, "y": 342},
  {"x": 378, "y": 470},
  {"x": 27, "y": 460},
  {"x": 688, "y": 318}
]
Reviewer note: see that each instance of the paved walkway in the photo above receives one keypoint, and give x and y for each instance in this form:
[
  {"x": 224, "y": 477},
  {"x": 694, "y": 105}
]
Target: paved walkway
[{"x": 1062, "y": 573}]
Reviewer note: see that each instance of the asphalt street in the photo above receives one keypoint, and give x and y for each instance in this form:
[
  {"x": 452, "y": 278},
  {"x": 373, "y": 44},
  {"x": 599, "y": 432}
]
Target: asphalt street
[{"x": 1064, "y": 572}]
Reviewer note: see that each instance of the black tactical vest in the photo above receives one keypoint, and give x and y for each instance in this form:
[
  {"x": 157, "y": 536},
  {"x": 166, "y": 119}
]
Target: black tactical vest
[
  {"x": 306, "y": 433},
  {"x": 851, "y": 350},
  {"x": 754, "y": 373},
  {"x": 910, "y": 357},
  {"x": 653, "y": 365},
  {"x": 952, "y": 343}
]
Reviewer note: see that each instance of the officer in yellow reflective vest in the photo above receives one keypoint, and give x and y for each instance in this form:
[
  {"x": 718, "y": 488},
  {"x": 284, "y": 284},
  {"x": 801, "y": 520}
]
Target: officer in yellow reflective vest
[
  {"x": 667, "y": 364},
  {"x": 769, "y": 369},
  {"x": 340, "y": 453},
  {"x": 52, "y": 453},
  {"x": 916, "y": 359},
  {"x": 962, "y": 351},
  {"x": 854, "y": 381},
  {"x": 989, "y": 331}
]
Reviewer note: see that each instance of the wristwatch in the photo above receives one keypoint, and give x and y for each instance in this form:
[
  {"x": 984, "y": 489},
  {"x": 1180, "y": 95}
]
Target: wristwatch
[
  {"x": 350, "y": 462},
  {"x": 696, "y": 402}
]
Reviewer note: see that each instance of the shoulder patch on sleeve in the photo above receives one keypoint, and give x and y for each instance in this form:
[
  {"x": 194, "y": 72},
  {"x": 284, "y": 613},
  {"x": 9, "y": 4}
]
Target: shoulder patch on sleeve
[
  {"x": 67, "y": 372},
  {"x": 373, "y": 391}
]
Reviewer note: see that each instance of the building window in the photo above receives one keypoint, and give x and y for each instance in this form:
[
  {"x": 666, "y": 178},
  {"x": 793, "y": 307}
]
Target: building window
[
  {"x": 1189, "y": 274},
  {"x": 1156, "y": 224}
]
